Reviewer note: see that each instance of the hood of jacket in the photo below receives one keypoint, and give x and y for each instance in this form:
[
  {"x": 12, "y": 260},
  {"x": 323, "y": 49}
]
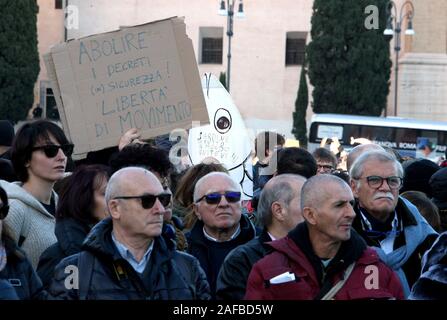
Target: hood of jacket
[{"x": 16, "y": 191}]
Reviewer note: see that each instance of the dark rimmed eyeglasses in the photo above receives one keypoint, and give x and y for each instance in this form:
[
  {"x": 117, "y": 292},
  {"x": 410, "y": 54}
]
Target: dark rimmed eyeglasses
[
  {"x": 325, "y": 167},
  {"x": 376, "y": 182},
  {"x": 215, "y": 197},
  {"x": 51, "y": 150},
  {"x": 148, "y": 200},
  {"x": 4, "y": 209}
]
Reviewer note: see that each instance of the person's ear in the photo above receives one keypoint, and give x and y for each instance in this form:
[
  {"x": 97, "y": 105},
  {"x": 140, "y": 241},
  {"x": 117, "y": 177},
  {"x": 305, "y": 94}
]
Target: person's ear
[
  {"x": 113, "y": 206},
  {"x": 195, "y": 208},
  {"x": 277, "y": 211},
  {"x": 309, "y": 215},
  {"x": 354, "y": 187}
]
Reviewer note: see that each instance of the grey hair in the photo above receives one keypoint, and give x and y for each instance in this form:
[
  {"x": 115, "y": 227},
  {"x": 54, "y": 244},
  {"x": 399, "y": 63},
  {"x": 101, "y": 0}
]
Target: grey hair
[
  {"x": 210, "y": 175},
  {"x": 279, "y": 188},
  {"x": 381, "y": 156},
  {"x": 313, "y": 191},
  {"x": 115, "y": 184}
]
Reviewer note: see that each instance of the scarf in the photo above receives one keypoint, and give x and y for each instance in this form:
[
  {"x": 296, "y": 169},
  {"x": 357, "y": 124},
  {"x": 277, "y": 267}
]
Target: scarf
[{"x": 414, "y": 236}]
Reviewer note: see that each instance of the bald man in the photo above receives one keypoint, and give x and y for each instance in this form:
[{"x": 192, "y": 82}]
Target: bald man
[
  {"x": 280, "y": 211},
  {"x": 124, "y": 257},
  {"x": 220, "y": 225},
  {"x": 358, "y": 151},
  {"x": 323, "y": 258}
]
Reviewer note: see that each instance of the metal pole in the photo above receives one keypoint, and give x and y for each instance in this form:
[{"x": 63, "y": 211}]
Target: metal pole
[
  {"x": 229, "y": 34},
  {"x": 396, "y": 69}
]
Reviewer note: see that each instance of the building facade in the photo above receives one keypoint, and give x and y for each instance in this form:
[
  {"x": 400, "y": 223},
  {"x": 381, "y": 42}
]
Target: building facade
[{"x": 266, "y": 50}]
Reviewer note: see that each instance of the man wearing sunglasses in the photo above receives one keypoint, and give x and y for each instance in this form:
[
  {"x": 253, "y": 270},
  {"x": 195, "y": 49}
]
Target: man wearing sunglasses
[
  {"x": 386, "y": 221},
  {"x": 125, "y": 257},
  {"x": 220, "y": 227},
  {"x": 279, "y": 211}
]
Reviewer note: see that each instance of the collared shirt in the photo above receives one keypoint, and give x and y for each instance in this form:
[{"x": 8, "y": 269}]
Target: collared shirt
[
  {"x": 271, "y": 236},
  {"x": 387, "y": 244},
  {"x": 128, "y": 256},
  {"x": 235, "y": 234}
]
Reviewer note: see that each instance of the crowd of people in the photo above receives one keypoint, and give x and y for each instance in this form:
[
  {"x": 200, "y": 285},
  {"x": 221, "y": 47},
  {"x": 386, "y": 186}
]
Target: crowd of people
[{"x": 125, "y": 223}]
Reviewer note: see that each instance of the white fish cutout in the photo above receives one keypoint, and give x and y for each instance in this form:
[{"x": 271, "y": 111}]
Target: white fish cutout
[{"x": 225, "y": 138}]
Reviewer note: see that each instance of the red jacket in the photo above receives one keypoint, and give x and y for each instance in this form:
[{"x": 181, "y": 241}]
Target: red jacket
[{"x": 288, "y": 257}]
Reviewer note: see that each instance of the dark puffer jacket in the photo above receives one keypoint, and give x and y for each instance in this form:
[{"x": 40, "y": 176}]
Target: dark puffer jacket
[
  {"x": 70, "y": 234},
  {"x": 211, "y": 254},
  {"x": 233, "y": 276},
  {"x": 19, "y": 273},
  {"x": 169, "y": 274}
]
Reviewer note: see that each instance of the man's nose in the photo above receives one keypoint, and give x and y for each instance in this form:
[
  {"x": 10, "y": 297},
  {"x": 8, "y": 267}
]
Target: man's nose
[
  {"x": 350, "y": 213},
  {"x": 158, "y": 207},
  {"x": 223, "y": 201}
]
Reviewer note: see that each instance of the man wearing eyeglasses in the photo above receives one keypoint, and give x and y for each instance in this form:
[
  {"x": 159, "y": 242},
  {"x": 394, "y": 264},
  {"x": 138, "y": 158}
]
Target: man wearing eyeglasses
[
  {"x": 386, "y": 221},
  {"x": 124, "y": 256},
  {"x": 322, "y": 258},
  {"x": 220, "y": 227}
]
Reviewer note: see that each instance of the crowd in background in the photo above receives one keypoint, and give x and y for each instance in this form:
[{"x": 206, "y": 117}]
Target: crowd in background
[{"x": 135, "y": 226}]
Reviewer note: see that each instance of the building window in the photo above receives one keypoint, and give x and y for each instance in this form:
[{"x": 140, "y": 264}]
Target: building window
[
  {"x": 58, "y": 4},
  {"x": 211, "y": 43},
  {"x": 47, "y": 101},
  {"x": 295, "y": 48}
]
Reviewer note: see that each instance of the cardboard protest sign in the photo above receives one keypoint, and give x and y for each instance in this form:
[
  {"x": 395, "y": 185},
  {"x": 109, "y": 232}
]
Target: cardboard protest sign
[
  {"x": 142, "y": 77},
  {"x": 225, "y": 138}
]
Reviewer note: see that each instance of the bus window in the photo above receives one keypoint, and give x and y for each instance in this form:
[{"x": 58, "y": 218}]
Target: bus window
[{"x": 401, "y": 134}]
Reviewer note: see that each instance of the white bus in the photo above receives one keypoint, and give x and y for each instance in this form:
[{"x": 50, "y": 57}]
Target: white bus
[{"x": 407, "y": 136}]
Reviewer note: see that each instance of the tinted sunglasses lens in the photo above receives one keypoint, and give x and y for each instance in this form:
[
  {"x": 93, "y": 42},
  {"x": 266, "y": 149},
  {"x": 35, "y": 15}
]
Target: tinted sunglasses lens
[
  {"x": 213, "y": 198},
  {"x": 165, "y": 199},
  {"x": 67, "y": 149},
  {"x": 148, "y": 201},
  {"x": 50, "y": 151},
  {"x": 233, "y": 196}
]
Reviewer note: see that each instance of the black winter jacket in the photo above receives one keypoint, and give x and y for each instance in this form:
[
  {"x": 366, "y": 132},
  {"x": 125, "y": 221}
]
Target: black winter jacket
[
  {"x": 21, "y": 275},
  {"x": 233, "y": 276},
  {"x": 70, "y": 234},
  {"x": 169, "y": 274},
  {"x": 211, "y": 254}
]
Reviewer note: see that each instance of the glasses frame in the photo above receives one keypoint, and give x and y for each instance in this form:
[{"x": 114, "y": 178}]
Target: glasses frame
[
  {"x": 148, "y": 200},
  {"x": 48, "y": 149},
  {"x": 368, "y": 180},
  {"x": 326, "y": 167},
  {"x": 219, "y": 199}
]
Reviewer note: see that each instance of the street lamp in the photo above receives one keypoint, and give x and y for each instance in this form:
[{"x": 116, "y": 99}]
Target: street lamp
[
  {"x": 409, "y": 14},
  {"x": 229, "y": 12}
]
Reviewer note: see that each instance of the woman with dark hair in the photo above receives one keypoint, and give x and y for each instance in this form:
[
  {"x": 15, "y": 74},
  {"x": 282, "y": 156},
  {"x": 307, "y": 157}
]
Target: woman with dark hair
[
  {"x": 39, "y": 156},
  {"x": 18, "y": 280},
  {"x": 81, "y": 205}
]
